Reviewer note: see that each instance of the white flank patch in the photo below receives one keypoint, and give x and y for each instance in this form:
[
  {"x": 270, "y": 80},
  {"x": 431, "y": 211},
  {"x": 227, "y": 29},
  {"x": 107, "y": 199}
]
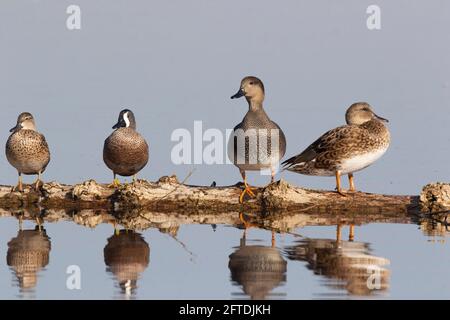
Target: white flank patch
[
  {"x": 125, "y": 118},
  {"x": 360, "y": 162}
]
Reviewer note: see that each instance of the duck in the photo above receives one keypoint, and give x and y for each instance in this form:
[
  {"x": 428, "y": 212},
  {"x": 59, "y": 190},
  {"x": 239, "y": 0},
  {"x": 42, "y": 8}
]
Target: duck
[
  {"x": 265, "y": 142},
  {"x": 125, "y": 151},
  {"x": 27, "y": 150},
  {"x": 345, "y": 149}
]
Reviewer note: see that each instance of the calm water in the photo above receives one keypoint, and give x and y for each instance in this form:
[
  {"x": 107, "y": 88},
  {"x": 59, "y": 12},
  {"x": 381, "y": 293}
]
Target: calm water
[
  {"x": 224, "y": 262},
  {"x": 176, "y": 62}
]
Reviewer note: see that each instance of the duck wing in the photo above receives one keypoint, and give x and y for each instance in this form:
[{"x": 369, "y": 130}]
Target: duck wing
[{"x": 331, "y": 141}]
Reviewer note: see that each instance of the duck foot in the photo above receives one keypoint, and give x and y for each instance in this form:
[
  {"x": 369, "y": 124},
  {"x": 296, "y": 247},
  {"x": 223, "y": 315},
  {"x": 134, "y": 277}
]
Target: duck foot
[
  {"x": 247, "y": 190},
  {"x": 114, "y": 184}
]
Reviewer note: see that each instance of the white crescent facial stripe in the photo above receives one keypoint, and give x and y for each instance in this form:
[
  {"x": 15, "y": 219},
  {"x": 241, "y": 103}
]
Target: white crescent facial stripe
[{"x": 125, "y": 118}]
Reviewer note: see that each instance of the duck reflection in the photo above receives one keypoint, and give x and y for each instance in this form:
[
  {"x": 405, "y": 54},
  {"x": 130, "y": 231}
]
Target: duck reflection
[
  {"x": 348, "y": 265},
  {"x": 258, "y": 269},
  {"x": 28, "y": 253},
  {"x": 126, "y": 255}
]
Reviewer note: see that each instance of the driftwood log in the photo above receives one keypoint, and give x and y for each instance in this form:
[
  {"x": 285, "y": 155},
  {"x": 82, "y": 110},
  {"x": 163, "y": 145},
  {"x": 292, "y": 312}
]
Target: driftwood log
[
  {"x": 168, "y": 203},
  {"x": 168, "y": 194}
]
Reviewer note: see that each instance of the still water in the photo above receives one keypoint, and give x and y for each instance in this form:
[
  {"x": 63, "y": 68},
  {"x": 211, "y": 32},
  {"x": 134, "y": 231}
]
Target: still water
[
  {"x": 388, "y": 261},
  {"x": 177, "y": 62}
]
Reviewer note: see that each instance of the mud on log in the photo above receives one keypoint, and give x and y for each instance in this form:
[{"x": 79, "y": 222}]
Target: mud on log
[{"x": 168, "y": 195}]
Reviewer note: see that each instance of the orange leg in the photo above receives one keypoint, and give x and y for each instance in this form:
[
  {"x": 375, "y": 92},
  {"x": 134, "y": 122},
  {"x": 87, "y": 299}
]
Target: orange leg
[
  {"x": 338, "y": 183},
  {"x": 247, "y": 225},
  {"x": 247, "y": 190},
  {"x": 351, "y": 182}
]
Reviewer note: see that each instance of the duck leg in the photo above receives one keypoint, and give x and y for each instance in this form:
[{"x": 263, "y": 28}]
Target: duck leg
[
  {"x": 38, "y": 222},
  {"x": 38, "y": 181},
  {"x": 338, "y": 233},
  {"x": 338, "y": 183},
  {"x": 116, "y": 230},
  {"x": 351, "y": 183},
  {"x": 351, "y": 233},
  {"x": 19, "y": 186},
  {"x": 272, "y": 175},
  {"x": 115, "y": 183},
  {"x": 134, "y": 178},
  {"x": 247, "y": 190},
  {"x": 273, "y": 239},
  {"x": 247, "y": 225}
]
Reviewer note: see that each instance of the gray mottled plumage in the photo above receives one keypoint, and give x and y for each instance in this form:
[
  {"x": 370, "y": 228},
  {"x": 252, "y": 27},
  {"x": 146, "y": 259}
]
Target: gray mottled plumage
[
  {"x": 261, "y": 157},
  {"x": 125, "y": 151},
  {"x": 26, "y": 149},
  {"x": 347, "y": 148}
]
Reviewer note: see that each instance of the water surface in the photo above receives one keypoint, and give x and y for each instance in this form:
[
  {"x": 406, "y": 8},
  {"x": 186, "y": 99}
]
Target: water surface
[
  {"x": 204, "y": 261},
  {"x": 176, "y": 62}
]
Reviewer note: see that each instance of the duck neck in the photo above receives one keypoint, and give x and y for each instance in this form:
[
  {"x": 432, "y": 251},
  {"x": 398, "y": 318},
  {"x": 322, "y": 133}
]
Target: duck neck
[{"x": 255, "y": 104}]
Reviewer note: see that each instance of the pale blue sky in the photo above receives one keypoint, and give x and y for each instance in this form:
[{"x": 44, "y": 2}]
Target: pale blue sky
[{"x": 174, "y": 62}]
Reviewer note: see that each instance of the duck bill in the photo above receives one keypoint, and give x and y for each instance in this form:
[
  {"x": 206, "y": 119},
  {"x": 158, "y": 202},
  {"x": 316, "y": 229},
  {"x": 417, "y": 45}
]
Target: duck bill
[
  {"x": 118, "y": 125},
  {"x": 238, "y": 94},
  {"x": 16, "y": 128},
  {"x": 381, "y": 118}
]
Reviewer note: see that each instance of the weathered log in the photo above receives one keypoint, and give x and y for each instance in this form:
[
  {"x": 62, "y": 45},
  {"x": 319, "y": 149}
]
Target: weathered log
[
  {"x": 168, "y": 195},
  {"x": 435, "y": 197}
]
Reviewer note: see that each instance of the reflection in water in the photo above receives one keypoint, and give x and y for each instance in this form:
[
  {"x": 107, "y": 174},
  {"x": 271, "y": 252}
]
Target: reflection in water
[
  {"x": 347, "y": 264},
  {"x": 435, "y": 230},
  {"x": 27, "y": 254},
  {"x": 127, "y": 255},
  {"x": 258, "y": 269},
  {"x": 171, "y": 230}
]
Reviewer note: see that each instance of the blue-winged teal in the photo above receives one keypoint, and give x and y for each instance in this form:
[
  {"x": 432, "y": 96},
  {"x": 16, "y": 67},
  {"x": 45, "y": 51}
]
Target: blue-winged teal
[
  {"x": 345, "y": 149},
  {"x": 257, "y": 142},
  {"x": 27, "y": 150},
  {"x": 125, "y": 151}
]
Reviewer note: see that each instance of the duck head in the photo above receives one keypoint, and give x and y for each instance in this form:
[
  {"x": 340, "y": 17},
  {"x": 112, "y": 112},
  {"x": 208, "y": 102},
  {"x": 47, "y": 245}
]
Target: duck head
[
  {"x": 24, "y": 121},
  {"x": 126, "y": 120},
  {"x": 361, "y": 112},
  {"x": 252, "y": 89}
]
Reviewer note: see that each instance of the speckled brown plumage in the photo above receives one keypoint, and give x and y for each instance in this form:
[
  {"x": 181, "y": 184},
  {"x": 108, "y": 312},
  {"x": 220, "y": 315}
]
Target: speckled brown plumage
[
  {"x": 335, "y": 149},
  {"x": 125, "y": 152},
  {"x": 26, "y": 149}
]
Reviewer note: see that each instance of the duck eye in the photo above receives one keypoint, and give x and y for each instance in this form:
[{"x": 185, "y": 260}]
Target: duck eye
[{"x": 251, "y": 82}]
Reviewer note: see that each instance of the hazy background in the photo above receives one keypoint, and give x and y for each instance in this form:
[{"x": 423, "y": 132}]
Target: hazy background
[{"x": 173, "y": 62}]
